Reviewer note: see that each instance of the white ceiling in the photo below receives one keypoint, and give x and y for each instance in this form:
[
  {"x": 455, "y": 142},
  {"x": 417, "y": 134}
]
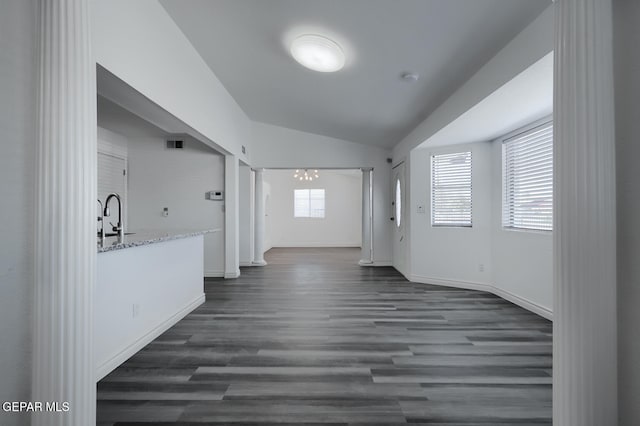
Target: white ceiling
[
  {"x": 114, "y": 117},
  {"x": 245, "y": 43},
  {"x": 523, "y": 100}
]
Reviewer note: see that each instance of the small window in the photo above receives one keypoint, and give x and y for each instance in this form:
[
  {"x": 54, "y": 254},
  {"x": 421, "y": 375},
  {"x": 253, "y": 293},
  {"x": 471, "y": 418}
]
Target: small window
[
  {"x": 451, "y": 189},
  {"x": 528, "y": 180},
  {"x": 308, "y": 203}
]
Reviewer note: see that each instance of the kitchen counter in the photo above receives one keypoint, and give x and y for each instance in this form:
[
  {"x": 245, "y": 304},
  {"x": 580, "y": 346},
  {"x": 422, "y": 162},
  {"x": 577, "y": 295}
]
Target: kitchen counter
[
  {"x": 143, "y": 238},
  {"x": 143, "y": 291}
]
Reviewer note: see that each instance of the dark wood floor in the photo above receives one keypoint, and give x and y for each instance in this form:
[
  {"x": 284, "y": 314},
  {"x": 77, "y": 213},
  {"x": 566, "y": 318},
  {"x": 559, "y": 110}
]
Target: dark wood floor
[{"x": 312, "y": 338}]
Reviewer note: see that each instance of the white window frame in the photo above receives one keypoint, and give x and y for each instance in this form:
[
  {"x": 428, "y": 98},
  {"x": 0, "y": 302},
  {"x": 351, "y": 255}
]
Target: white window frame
[
  {"x": 309, "y": 213},
  {"x": 524, "y": 221},
  {"x": 466, "y": 185}
]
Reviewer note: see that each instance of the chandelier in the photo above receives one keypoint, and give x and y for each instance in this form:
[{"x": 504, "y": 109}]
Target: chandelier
[{"x": 306, "y": 175}]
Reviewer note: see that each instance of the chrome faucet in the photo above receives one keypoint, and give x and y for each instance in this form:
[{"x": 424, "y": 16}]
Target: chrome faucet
[
  {"x": 101, "y": 220},
  {"x": 119, "y": 228}
]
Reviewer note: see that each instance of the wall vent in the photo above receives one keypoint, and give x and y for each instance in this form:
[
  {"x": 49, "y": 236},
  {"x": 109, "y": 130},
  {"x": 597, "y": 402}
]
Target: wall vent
[{"x": 176, "y": 144}]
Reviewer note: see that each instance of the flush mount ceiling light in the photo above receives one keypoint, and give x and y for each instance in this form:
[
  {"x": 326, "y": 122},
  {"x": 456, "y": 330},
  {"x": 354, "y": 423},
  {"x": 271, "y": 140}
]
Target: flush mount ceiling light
[
  {"x": 306, "y": 175},
  {"x": 317, "y": 53}
]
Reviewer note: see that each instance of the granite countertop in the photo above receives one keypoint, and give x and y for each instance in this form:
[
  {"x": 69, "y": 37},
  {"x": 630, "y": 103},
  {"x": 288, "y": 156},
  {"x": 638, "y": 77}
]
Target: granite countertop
[{"x": 143, "y": 238}]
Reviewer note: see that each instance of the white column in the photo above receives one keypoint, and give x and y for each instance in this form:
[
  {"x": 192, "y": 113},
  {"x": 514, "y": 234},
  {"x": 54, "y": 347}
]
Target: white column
[
  {"x": 366, "y": 258},
  {"x": 231, "y": 218},
  {"x": 258, "y": 258},
  {"x": 584, "y": 329},
  {"x": 66, "y": 211}
]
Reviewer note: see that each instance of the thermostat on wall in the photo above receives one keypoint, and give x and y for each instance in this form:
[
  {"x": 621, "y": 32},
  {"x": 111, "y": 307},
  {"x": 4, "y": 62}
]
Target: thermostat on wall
[{"x": 214, "y": 195}]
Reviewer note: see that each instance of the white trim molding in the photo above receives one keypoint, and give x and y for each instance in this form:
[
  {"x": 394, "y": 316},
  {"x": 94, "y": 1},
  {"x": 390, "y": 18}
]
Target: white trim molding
[
  {"x": 527, "y": 304},
  {"x": 66, "y": 211},
  {"x": 112, "y": 363},
  {"x": 489, "y": 288},
  {"x": 231, "y": 221},
  {"x": 317, "y": 245},
  {"x": 366, "y": 255},
  {"x": 585, "y": 328},
  {"x": 259, "y": 220},
  {"x": 232, "y": 275},
  {"x": 377, "y": 263}
]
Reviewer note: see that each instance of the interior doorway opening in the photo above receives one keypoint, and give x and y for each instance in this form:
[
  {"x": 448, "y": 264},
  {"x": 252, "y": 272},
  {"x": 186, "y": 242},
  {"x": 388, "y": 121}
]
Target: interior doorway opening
[{"x": 313, "y": 208}]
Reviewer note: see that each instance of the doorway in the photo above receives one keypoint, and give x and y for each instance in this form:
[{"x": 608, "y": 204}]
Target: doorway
[{"x": 311, "y": 207}]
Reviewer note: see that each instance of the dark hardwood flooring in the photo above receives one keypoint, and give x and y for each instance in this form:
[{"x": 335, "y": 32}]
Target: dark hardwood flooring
[{"x": 314, "y": 339}]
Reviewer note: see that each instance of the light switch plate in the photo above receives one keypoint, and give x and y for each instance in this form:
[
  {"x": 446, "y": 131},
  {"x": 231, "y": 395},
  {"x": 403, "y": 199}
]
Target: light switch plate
[
  {"x": 421, "y": 209},
  {"x": 214, "y": 195}
]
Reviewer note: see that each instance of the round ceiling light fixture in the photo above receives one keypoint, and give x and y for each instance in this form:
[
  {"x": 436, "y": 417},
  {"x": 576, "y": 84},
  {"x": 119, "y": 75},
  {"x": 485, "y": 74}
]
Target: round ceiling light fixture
[{"x": 318, "y": 53}]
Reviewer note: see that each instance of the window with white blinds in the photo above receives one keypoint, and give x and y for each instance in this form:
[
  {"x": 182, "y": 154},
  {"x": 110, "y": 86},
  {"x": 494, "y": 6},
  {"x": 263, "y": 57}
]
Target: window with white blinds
[
  {"x": 451, "y": 189},
  {"x": 528, "y": 179},
  {"x": 308, "y": 203}
]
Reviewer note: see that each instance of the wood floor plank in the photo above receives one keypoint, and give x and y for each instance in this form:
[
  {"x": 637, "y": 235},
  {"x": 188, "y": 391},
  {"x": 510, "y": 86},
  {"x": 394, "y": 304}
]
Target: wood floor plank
[{"x": 314, "y": 339}]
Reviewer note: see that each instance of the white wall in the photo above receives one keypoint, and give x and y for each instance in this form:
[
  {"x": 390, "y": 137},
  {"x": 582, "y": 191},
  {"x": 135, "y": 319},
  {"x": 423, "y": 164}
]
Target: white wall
[
  {"x": 18, "y": 68},
  {"x": 279, "y": 147},
  {"x": 509, "y": 269},
  {"x": 342, "y": 224},
  {"x": 177, "y": 179},
  {"x": 533, "y": 43},
  {"x": 522, "y": 260},
  {"x": 527, "y": 48},
  {"x": 518, "y": 265},
  {"x": 140, "y": 44},
  {"x": 627, "y": 81},
  {"x": 451, "y": 255}
]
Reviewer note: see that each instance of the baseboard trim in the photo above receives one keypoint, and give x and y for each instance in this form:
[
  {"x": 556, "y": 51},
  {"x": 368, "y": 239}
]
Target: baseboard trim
[
  {"x": 381, "y": 263},
  {"x": 524, "y": 303},
  {"x": 467, "y": 285},
  {"x": 112, "y": 363},
  {"x": 213, "y": 274},
  {"x": 316, "y": 245},
  {"x": 489, "y": 288},
  {"x": 246, "y": 263},
  {"x": 231, "y": 275}
]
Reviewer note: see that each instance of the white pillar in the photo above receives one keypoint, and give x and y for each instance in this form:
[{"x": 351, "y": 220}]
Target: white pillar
[
  {"x": 584, "y": 329},
  {"x": 366, "y": 258},
  {"x": 245, "y": 215},
  {"x": 66, "y": 211},
  {"x": 258, "y": 258},
  {"x": 231, "y": 219}
]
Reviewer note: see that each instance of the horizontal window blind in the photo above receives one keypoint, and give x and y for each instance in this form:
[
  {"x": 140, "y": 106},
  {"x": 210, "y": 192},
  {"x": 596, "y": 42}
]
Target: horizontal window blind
[
  {"x": 528, "y": 179},
  {"x": 111, "y": 176},
  {"x": 451, "y": 189},
  {"x": 308, "y": 203}
]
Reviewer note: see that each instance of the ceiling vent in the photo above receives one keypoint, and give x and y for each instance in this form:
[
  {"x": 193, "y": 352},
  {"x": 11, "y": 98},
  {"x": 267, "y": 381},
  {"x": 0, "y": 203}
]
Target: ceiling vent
[{"x": 176, "y": 144}]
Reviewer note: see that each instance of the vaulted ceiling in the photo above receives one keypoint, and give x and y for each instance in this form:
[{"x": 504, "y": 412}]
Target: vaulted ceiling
[{"x": 246, "y": 44}]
